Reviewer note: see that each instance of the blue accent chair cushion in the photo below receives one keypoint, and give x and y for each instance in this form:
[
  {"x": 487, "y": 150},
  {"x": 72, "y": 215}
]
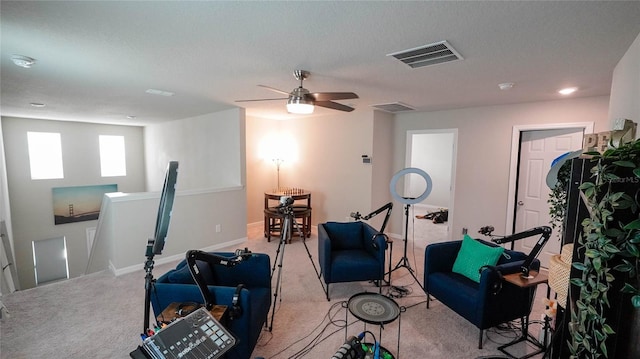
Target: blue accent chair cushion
[{"x": 350, "y": 252}]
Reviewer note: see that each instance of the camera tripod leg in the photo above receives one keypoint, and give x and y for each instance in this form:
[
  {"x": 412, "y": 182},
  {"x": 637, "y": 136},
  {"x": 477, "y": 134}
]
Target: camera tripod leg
[
  {"x": 304, "y": 241},
  {"x": 284, "y": 236}
]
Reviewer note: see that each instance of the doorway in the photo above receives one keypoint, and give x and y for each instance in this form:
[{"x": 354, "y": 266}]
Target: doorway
[
  {"x": 50, "y": 260},
  {"x": 533, "y": 151},
  {"x": 433, "y": 151}
]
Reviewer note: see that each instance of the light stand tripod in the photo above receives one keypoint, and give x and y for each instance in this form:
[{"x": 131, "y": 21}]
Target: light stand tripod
[
  {"x": 404, "y": 261},
  {"x": 286, "y": 230}
]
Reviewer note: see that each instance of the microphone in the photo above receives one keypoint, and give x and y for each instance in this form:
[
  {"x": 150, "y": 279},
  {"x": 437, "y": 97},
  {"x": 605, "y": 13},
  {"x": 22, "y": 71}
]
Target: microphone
[
  {"x": 486, "y": 230},
  {"x": 356, "y": 215},
  {"x": 243, "y": 254},
  {"x": 351, "y": 349}
]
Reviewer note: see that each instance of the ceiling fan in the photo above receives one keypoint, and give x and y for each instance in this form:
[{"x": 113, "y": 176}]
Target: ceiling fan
[{"x": 301, "y": 101}]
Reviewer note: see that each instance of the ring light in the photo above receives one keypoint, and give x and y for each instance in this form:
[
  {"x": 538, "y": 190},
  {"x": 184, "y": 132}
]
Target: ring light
[{"x": 405, "y": 200}]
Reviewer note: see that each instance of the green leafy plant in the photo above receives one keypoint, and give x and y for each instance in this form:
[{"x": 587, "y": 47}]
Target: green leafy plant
[
  {"x": 558, "y": 198},
  {"x": 611, "y": 249}
]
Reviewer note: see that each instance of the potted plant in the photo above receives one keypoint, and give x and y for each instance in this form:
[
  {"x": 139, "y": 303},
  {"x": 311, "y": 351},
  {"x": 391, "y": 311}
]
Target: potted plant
[
  {"x": 558, "y": 198},
  {"x": 610, "y": 242}
]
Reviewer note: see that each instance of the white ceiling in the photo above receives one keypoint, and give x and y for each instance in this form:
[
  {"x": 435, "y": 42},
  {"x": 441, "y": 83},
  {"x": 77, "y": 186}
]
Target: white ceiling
[{"x": 96, "y": 59}]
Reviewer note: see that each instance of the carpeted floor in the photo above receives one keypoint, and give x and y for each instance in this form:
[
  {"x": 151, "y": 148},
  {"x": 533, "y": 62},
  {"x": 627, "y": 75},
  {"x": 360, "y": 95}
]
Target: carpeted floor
[{"x": 100, "y": 316}]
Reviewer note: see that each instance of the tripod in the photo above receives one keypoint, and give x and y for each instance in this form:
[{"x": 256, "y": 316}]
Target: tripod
[
  {"x": 286, "y": 230},
  {"x": 404, "y": 261}
]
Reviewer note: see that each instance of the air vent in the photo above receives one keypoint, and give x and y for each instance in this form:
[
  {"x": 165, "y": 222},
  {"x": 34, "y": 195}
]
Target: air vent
[
  {"x": 394, "y": 107},
  {"x": 426, "y": 55}
]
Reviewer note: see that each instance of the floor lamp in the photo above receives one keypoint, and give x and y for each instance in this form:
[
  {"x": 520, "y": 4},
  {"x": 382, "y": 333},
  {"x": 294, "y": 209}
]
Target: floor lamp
[
  {"x": 278, "y": 162},
  {"x": 408, "y": 201}
]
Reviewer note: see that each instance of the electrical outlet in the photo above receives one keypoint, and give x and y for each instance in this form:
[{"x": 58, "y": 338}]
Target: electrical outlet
[
  {"x": 218, "y": 229},
  {"x": 464, "y": 231}
]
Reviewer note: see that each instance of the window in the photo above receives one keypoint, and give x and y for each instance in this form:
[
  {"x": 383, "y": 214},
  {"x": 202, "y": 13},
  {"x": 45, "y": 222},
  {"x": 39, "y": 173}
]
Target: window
[
  {"x": 45, "y": 155},
  {"x": 112, "y": 156}
]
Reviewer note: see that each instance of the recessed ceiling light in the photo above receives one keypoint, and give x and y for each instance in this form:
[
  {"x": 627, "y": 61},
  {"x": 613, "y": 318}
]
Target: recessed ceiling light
[
  {"x": 37, "y": 104},
  {"x": 568, "y": 90},
  {"x": 159, "y": 92},
  {"x": 506, "y": 86},
  {"x": 23, "y": 61},
  {"x": 131, "y": 117}
]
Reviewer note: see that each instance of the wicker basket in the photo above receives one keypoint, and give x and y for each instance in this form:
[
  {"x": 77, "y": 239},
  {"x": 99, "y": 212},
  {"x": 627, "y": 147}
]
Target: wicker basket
[{"x": 559, "y": 271}]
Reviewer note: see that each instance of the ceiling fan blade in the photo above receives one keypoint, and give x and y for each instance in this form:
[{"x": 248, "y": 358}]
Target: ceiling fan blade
[
  {"x": 274, "y": 89},
  {"x": 263, "y": 99},
  {"x": 334, "y": 106},
  {"x": 328, "y": 96}
]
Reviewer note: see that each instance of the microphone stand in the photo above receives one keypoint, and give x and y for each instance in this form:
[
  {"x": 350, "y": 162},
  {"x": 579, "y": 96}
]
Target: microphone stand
[{"x": 149, "y": 283}]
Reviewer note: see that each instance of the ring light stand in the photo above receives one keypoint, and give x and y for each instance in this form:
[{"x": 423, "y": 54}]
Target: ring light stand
[
  {"x": 408, "y": 201},
  {"x": 155, "y": 245}
]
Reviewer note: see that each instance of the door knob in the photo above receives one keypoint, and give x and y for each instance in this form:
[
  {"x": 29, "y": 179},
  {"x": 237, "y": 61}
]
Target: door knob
[{"x": 520, "y": 203}]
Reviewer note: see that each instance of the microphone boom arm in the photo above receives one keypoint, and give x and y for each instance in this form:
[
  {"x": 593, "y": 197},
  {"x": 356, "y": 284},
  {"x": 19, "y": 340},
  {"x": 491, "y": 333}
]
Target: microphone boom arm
[
  {"x": 545, "y": 231},
  {"x": 211, "y": 259},
  {"x": 388, "y": 207}
]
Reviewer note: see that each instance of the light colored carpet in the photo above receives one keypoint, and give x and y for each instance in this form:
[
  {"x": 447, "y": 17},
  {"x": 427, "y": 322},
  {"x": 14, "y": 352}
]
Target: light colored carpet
[{"x": 100, "y": 316}]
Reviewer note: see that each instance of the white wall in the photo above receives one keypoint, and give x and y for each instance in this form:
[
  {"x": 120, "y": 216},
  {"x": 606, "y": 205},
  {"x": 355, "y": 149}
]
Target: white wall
[
  {"x": 5, "y": 215},
  {"x": 484, "y": 147},
  {"x": 129, "y": 220},
  {"x": 382, "y": 155},
  {"x": 210, "y": 191},
  {"x": 31, "y": 200},
  {"x": 209, "y": 148},
  {"x": 625, "y": 87},
  {"x": 329, "y": 150},
  {"x": 261, "y": 172}
]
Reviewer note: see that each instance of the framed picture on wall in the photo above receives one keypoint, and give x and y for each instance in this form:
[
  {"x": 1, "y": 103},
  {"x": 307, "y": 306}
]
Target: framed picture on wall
[{"x": 79, "y": 203}]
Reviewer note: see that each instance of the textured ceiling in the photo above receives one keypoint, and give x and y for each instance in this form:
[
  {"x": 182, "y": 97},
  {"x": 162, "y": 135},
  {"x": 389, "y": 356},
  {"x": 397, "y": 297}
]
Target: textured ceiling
[{"x": 96, "y": 59}]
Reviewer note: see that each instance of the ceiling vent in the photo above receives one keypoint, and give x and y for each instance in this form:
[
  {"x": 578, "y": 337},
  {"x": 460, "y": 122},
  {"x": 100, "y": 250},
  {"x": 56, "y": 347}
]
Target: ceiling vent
[
  {"x": 431, "y": 54},
  {"x": 394, "y": 107}
]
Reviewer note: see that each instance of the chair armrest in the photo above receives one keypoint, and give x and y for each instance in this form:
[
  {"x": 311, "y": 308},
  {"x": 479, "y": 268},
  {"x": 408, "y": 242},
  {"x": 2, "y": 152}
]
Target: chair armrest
[
  {"x": 324, "y": 251},
  {"x": 374, "y": 241}
]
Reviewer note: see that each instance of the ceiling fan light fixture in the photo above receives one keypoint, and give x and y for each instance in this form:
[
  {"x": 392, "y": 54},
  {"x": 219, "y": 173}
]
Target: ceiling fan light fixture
[
  {"x": 299, "y": 106},
  {"x": 567, "y": 91}
]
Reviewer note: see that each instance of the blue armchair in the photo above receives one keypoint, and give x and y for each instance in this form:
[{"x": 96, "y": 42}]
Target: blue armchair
[
  {"x": 178, "y": 285},
  {"x": 486, "y": 304},
  {"x": 349, "y": 252}
]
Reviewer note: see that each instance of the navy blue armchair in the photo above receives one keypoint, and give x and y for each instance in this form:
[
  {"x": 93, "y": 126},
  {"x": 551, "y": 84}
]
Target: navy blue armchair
[
  {"x": 350, "y": 252},
  {"x": 486, "y": 304},
  {"x": 178, "y": 285}
]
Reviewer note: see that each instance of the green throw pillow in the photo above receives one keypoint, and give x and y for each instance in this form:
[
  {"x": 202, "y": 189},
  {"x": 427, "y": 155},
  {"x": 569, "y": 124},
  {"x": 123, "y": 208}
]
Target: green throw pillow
[{"x": 473, "y": 255}]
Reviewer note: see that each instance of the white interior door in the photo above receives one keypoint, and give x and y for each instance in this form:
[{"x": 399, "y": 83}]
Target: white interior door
[{"x": 538, "y": 149}]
